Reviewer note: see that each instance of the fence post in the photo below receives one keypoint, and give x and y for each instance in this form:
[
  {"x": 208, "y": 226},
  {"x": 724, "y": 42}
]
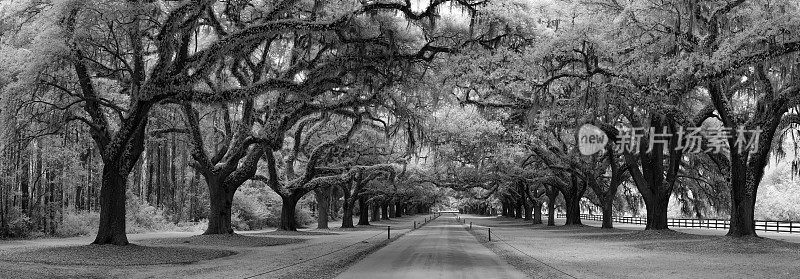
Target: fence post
[
  {"x": 490, "y": 234},
  {"x": 470, "y": 225},
  {"x": 415, "y": 225},
  {"x": 388, "y": 232}
]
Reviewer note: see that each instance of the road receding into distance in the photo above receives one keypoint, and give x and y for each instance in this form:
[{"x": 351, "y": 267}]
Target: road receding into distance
[{"x": 440, "y": 249}]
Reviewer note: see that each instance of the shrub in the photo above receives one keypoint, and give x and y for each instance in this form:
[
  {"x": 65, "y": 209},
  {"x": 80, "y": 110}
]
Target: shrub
[
  {"x": 192, "y": 226},
  {"x": 143, "y": 217},
  {"x": 19, "y": 224},
  {"x": 238, "y": 224},
  {"x": 249, "y": 212},
  {"x": 78, "y": 224},
  {"x": 256, "y": 208}
]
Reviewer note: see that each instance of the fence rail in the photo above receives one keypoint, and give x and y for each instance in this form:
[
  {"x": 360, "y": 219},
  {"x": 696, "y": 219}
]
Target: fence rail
[{"x": 767, "y": 226}]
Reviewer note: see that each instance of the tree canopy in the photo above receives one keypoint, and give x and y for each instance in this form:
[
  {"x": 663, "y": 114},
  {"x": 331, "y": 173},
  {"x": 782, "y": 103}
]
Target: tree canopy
[{"x": 401, "y": 104}]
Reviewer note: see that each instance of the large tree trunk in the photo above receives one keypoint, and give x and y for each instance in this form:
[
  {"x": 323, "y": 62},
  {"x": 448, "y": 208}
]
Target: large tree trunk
[
  {"x": 743, "y": 197},
  {"x": 551, "y": 207},
  {"x": 375, "y": 211},
  {"x": 347, "y": 214},
  {"x": 129, "y": 145},
  {"x": 112, "y": 207},
  {"x": 747, "y": 169},
  {"x": 573, "y": 210},
  {"x": 398, "y": 212},
  {"x": 656, "y": 206},
  {"x": 655, "y": 181},
  {"x": 334, "y": 203},
  {"x": 518, "y": 209},
  {"x": 363, "y": 211},
  {"x": 608, "y": 211},
  {"x": 747, "y": 165},
  {"x": 537, "y": 212},
  {"x": 504, "y": 206},
  {"x": 607, "y": 197},
  {"x": 323, "y": 202},
  {"x": 347, "y": 206},
  {"x": 657, "y": 213},
  {"x": 608, "y": 194},
  {"x": 392, "y": 210},
  {"x": 572, "y": 200},
  {"x": 385, "y": 211},
  {"x": 288, "y": 212},
  {"x": 219, "y": 215}
]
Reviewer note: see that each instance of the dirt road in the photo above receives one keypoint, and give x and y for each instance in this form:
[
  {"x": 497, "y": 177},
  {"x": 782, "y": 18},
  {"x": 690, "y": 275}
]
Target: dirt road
[{"x": 441, "y": 249}]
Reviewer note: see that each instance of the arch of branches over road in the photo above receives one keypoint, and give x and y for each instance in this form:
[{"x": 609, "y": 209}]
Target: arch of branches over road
[
  {"x": 257, "y": 87},
  {"x": 390, "y": 106},
  {"x": 671, "y": 65}
]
